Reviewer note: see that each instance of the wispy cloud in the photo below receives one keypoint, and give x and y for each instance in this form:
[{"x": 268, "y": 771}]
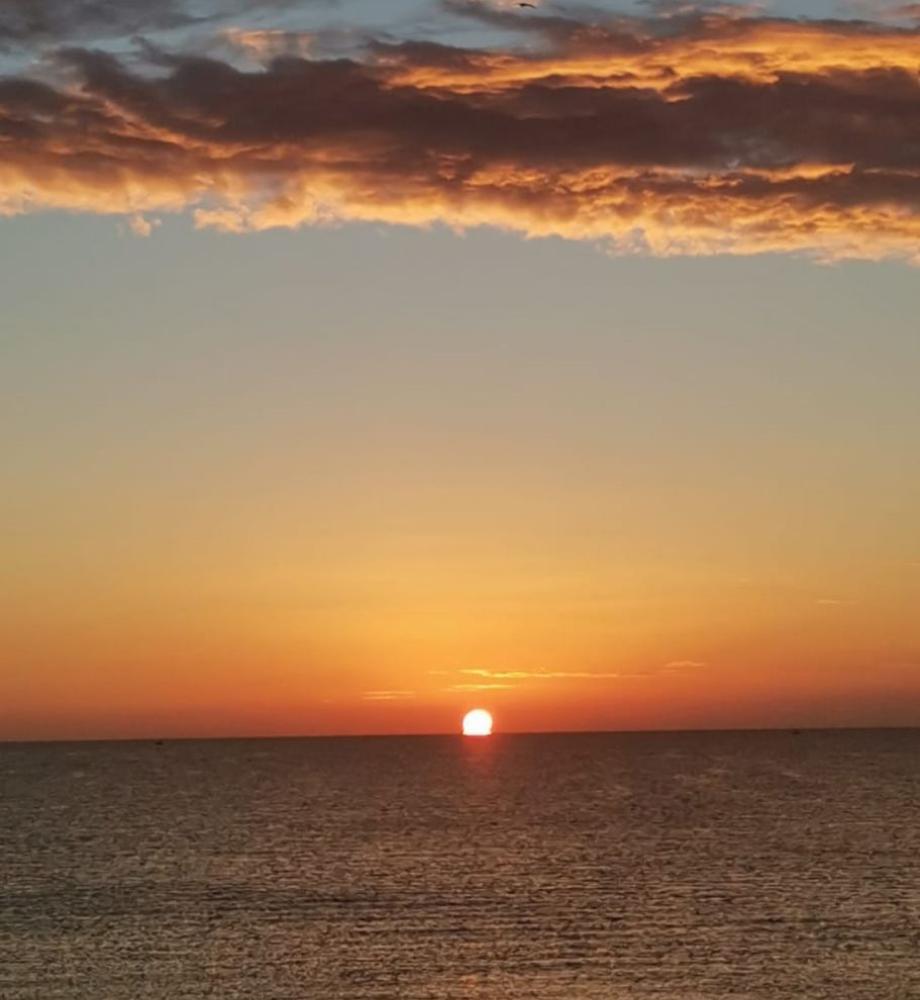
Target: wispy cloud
[
  {"x": 25, "y": 22},
  {"x": 690, "y": 133},
  {"x": 387, "y": 695},
  {"x": 540, "y": 674},
  {"x": 30, "y": 22},
  {"x": 142, "y": 226},
  {"x": 501, "y": 678},
  {"x": 480, "y": 687},
  {"x": 885, "y": 11},
  {"x": 503, "y": 674}
]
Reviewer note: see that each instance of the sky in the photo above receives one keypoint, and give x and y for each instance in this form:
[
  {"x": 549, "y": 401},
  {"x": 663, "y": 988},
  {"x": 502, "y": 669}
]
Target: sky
[{"x": 364, "y": 363}]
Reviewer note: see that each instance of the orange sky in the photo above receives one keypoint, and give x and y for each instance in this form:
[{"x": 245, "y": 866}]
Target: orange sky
[
  {"x": 563, "y": 365},
  {"x": 213, "y": 535}
]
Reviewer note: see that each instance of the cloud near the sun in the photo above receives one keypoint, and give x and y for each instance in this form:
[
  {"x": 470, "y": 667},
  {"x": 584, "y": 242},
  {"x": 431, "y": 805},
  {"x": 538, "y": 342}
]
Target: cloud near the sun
[
  {"x": 540, "y": 674},
  {"x": 690, "y": 133},
  {"x": 399, "y": 695}
]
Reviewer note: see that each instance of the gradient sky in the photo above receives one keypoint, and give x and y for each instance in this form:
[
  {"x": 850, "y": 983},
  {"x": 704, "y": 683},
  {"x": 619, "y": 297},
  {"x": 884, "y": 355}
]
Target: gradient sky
[{"x": 345, "y": 391}]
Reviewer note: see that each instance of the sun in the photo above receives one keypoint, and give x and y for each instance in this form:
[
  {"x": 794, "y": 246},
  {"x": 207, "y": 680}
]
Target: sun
[{"x": 478, "y": 722}]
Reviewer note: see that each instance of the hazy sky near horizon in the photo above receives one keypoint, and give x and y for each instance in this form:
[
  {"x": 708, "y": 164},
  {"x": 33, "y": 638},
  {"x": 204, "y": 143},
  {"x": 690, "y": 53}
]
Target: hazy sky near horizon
[{"x": 345, "y": 384}]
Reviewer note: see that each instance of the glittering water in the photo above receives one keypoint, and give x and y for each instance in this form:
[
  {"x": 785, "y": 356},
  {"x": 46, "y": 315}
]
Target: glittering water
[{"x": 682, "y": 867}]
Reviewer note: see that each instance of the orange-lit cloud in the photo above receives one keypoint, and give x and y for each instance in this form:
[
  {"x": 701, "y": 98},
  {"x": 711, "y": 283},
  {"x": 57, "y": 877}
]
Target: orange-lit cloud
[
  {"x": 518, "y": 675},
  {"x": 262, "y": 44},
  {"x": 480, "y": 687},
  {"x": 682, "y": 134}
]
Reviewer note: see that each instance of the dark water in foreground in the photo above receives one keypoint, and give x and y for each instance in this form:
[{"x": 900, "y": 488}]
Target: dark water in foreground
[{"x": 681, "y": 867}]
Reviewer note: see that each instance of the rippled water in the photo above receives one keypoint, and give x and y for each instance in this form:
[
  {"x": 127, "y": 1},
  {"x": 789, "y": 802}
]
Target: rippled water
[{"x": 768, "y": 866}]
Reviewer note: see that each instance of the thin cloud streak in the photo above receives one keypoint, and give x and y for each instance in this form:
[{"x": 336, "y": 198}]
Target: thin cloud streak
[
  {"x": 685, "y": 134},
  {"x": 540, "y": 674},
  {"x": 481, "y": 687}
]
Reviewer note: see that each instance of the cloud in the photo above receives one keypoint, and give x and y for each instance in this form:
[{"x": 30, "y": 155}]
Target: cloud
[
  {"x": 883, "y": 11},
  {"x": 262, "y": 44},
  {"x": 503, "y": 674},
  {"x": 142, "y": 226},
  {"x": 26, "y": 23},
  {"x": 480, "y": 687},
  {"x": 29, "y": 21},
  {"x": 500, "y": 678},
  {"x": 387, "y": 695},
  {"x": 540, "y": 674},
  {"x": 688, "y": 134}
]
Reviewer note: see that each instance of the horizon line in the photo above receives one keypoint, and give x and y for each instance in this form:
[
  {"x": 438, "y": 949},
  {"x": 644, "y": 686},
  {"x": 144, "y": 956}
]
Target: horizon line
[{"x": 5, "y": 742}]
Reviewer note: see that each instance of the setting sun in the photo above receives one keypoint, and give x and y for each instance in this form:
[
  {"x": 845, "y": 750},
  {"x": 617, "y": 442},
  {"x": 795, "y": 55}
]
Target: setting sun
[{"x": 477, "y": 722}]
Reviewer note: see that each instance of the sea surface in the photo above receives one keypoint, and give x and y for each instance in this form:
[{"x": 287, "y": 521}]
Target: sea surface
[{"x": 763, "y": 866}]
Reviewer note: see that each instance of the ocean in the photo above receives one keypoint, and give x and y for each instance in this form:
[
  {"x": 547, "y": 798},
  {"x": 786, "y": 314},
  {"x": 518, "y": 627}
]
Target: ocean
[{"x": 675, "y": 866}]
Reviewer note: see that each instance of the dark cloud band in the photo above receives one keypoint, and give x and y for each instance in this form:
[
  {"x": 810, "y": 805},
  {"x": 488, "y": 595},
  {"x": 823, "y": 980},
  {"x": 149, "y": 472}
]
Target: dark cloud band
[{"x": 692, "y": 134}]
